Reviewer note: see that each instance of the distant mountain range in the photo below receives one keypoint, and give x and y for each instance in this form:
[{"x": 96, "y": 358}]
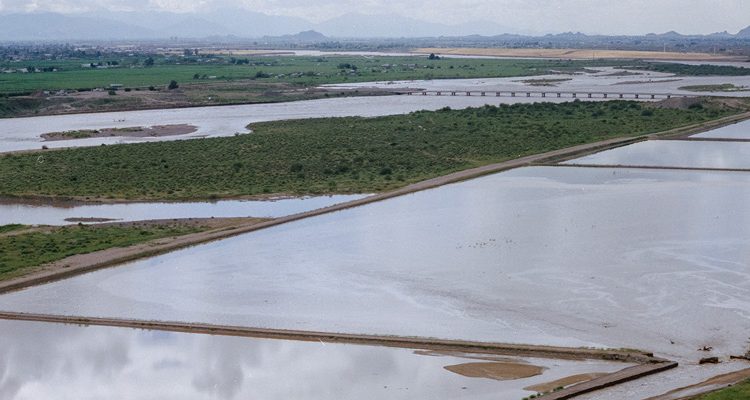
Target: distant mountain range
[{"x": 242, "y": 24}]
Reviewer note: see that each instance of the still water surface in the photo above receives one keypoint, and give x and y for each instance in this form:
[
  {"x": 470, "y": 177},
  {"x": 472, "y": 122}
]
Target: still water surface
[
  {"x": 52, "y": 361},
  {"x": 544, "y": 255},
  {"x": 56, "y": 213},
  {"x": 674, "y": 153},
  {"x": 740, "y": 130}
]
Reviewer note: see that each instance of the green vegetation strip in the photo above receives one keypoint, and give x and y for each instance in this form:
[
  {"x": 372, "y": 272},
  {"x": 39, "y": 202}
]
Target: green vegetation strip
[
  {"x": 332, "y": 155},
  {"x": 10, "y": 228},
  {"x": 740, "y": 391},
  {"x": 22, "y": 251}
]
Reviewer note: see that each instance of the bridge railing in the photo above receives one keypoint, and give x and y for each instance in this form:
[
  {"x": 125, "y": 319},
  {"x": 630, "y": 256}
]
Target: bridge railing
[{"x": 544, "y": 94}]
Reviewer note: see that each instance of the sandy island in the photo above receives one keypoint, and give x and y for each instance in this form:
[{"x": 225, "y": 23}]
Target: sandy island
[
  {"x": 500, "y": 371},
  {"x": 135, "y": 131}
]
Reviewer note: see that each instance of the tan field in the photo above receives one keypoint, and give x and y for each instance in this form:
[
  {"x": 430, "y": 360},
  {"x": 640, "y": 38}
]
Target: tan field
[{"x": 574, "y": 53}]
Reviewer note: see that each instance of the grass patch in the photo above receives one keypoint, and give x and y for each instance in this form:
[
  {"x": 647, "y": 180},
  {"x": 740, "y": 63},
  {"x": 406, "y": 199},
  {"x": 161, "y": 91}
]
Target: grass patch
[
  {"x": 10, "y": 228},
  {"x": 332, "y": 155},
  {"x": 725, "y": 87},
  {"x": 20, "y": 252},
  {"x": 79, "y": 134},
  {"x": 741, "y": 391}
]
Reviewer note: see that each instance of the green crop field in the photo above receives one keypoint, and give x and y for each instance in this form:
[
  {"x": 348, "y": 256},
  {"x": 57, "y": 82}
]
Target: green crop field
[
  {"x": 24, "y": 250},
  {"x": 304, "y": 71},
  {"x": 332, "y": 155},
  {"x": 300, "y": 70}
]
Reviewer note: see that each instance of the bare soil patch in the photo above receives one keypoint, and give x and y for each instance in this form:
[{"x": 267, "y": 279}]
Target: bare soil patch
[
  {"x": 500, "y": 371},
  {"x": 135, "y": 131}
]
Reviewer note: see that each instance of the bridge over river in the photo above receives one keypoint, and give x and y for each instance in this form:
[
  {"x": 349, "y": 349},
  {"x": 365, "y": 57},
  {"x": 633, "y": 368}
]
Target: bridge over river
[{"x": 543, "y": 93}]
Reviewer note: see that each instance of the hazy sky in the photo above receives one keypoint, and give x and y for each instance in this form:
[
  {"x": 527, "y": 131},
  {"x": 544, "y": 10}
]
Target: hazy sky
[{"x": 538, "y": 16}]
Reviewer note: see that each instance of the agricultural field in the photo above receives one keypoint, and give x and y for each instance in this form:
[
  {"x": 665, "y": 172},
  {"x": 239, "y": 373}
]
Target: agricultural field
[
  {"x": 145, "y": 81},
  {"x": 333, "y": 155},
  {"x": 301, "y": 71},
  {"x": 74, "y": 86}
]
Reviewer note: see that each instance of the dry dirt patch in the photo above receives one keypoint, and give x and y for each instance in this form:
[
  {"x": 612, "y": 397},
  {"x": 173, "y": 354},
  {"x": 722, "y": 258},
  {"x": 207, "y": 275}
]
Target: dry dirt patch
[{"x": 500, "y": 371}]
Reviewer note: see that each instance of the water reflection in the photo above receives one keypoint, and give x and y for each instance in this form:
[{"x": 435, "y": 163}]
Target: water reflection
[
  {"x": 51, "y": 361},
  {"x": 674, "y": 153},
  {"x": 56, "y": 213},
  {"x": 740, "y": 130},
  {"x": 544, "y": 255}
]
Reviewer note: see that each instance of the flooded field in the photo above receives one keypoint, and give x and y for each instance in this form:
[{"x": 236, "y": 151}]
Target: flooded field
[
  {"x": 740, "y": 130},
  {"x": 58, "y": 213},
  {"x": 658, "y": 384},
  {"x": 606, "y": 79},
  {"x": 25, "y": 133},
  {"x": 580, "y": 257},
  {"x": 674, "y": 153},
  {"x": 542, "y": 255},
  {"x": 19, "y": 134},
  {"x": 52, "y": 361}
]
